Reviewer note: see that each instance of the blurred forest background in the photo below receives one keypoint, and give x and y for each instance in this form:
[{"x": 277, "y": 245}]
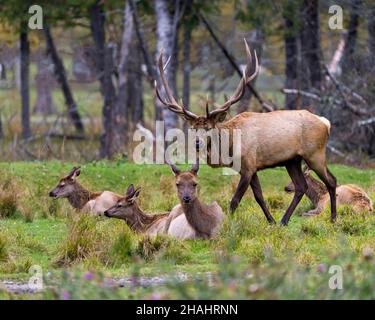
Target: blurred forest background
[{"x": 78, "y": 88}]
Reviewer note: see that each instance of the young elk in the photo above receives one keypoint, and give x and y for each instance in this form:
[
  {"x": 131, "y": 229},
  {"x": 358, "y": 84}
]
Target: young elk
[
  {"x": 348, "y": 194},
  {"x": 278, "y": 138},
  {"x": 128, "y": 210},
  {"x": 205, "y": 220},
  {"x": 80, "y": 198}
]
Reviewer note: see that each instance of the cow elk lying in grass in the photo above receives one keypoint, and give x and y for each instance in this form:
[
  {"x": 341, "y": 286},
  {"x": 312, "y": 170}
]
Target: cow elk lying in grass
[
  {"x": 189, "y": 220},
  {"x": 80, "y": 198},
  {"x": 277, "y": 138},
  {"x": 206, "y": 220},
  {"x": 347, "y": 194}
]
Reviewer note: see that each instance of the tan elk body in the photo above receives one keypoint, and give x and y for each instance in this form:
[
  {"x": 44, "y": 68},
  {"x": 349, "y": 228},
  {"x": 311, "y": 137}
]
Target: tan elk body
[
  {"x": 347, "y": 194},
  {"x": 189, "y": 220},
  {"x": 80, "y": 198},
  {"x": 277, "y": 138}
]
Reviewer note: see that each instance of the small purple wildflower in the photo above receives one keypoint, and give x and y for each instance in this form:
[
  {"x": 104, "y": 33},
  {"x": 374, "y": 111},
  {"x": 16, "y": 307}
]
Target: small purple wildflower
[
  {"x": 65, "y": 295},
  {"x": 321, "y": 268},
  {"x": 88, "y": 276}
]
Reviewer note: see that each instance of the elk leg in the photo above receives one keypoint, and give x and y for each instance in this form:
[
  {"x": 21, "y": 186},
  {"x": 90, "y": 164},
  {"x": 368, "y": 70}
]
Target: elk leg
[
  {"x": 295, "y": 172},
  {"x": 330, "y": 181},
  {"x": 241, "y": 189},
  {"x": 258, "y": 195}
]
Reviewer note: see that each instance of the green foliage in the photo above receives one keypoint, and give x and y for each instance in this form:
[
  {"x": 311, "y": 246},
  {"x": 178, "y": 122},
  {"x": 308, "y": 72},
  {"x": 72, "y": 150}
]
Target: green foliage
[
  {"x": 3, "y": 248},
  {"x": 81, "y": 242},
  {"x": 108, "y": 247}
]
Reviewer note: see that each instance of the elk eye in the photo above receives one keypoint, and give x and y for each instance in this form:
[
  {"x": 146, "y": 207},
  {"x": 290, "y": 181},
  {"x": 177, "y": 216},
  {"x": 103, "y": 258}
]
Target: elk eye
[
  {"x": 195, "y": 184},
  {"x": 177, "y": 184}
]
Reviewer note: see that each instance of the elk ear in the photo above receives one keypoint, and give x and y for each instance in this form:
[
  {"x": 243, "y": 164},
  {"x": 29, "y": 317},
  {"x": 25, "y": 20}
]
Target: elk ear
[
  {"x": 134, "y": 196},
  {"x": 130, "y": 191},
  {"x": 175, "y": 170},
  {"x": 220, "y": 117},
  {"x": 195, "y": 168},
  {"x": 76, "y": 171},
  {"x": 306, "y": 169}
]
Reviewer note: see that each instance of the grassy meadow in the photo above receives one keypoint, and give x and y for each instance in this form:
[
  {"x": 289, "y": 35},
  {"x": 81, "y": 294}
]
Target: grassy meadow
[{"x": 36, "y": 230}]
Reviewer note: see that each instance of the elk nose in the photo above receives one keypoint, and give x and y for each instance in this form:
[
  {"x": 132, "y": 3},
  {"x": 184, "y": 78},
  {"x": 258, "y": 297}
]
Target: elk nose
[
  {"x": 186, "y": 199},
  {"x": 51, "y": 194},
  {"x": 288, "y": 189},
  {"x": 198, "y": 144}
]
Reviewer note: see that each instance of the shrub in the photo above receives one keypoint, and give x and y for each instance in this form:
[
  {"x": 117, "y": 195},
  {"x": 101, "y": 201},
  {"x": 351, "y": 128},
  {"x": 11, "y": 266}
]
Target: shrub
[
  {"x": 276, "y": 201},
  {"x": 123, "y": 247},
  {"x": 3, "y": 248},
  {"x": 8, "y": 204},
  {"x": 82, "y": 241}
]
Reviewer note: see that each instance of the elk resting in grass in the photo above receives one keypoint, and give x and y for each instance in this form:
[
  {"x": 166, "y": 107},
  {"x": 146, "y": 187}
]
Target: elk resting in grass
[
  {"x": 189, "y": 220},
  {"x": 347, "y": 194},
  {"x": 277, "y": 138},
  {"x": 128, "y": 210},
  {"x": 205, "y": 220},
  {"x": 82, "y": 199}
]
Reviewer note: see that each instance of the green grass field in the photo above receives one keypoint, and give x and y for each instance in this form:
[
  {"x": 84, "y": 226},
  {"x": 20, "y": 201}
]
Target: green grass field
[{"x": 36, "y": 230}]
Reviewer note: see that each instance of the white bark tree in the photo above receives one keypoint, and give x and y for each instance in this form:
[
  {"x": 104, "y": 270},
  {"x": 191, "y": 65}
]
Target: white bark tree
[{"x": 165, "y": 40}]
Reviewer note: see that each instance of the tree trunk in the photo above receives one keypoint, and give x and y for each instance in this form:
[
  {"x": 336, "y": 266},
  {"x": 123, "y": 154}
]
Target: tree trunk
[
  {"x": 121, "y": 113},
  {"x": 130, "y": 84},
  {"x": 291, "y": 56},
  {"x": 63, "y": 81},
  {"x": 104, "y": 65},
  {"x": 25, "y": 63},
  {"x": 1, "y": 126},
  {"x": 165, "y": 41},
  {"x": 44, "y": 82},
  {"x": 151, "y": 71},
  {"x": 348, "y": 61},
  {"x": 135, "y": 87},
  {"x": 310, "y": 67},
  {"x": 187, "y": 68},
  {"x": 371, "y": 36},
  {"x": 256, "y": 40}
]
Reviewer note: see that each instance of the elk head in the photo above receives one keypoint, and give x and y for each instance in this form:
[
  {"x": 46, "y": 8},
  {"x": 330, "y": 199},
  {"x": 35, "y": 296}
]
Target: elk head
[
  {"x": 211, "y": 118},
  {"x": 186, "y": 183},
  {"x": 66, "y": 185},
  {"x": 125, "y": 207}
]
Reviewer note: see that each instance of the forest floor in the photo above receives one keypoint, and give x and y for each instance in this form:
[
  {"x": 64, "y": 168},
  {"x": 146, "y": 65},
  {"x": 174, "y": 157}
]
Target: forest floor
[{"x": 276, "y": 262}]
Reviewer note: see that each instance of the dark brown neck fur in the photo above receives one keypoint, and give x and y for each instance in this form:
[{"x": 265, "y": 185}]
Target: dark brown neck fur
[
  {"x": 199, "y": 217},
  {"x": 316, "y": 189},
  {"x": 81, "y": 196},
  {"x": 140, "y": 221}
]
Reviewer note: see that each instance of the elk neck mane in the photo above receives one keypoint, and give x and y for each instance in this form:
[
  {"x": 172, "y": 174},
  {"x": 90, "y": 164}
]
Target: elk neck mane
[
  {"x": 199, "y": 217},
  {"x": 79, "y": 198},
  {"x": 141, "y": 220}
]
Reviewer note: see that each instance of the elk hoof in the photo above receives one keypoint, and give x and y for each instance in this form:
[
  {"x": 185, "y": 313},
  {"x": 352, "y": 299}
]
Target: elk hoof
[
  {"x": 284, "y": 223},
  {"x": 233, "y": 206}
]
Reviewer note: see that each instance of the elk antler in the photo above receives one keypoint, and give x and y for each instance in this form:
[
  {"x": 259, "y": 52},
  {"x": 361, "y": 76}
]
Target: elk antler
[
  {"x": 170, "y": 102},
  {"x": 240, "y": 90}
]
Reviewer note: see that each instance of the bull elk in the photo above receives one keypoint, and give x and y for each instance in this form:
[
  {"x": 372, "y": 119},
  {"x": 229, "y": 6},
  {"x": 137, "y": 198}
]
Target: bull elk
[
  {"x": 80, "y": 198},
  {"x": 347, "y": 194},
  {"x": 277, "y": 138}
]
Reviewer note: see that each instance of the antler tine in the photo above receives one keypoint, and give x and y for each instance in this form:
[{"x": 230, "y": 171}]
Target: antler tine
[
  {"x": 170, "y": 102},
  {"x": 246, "y": 78}
]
